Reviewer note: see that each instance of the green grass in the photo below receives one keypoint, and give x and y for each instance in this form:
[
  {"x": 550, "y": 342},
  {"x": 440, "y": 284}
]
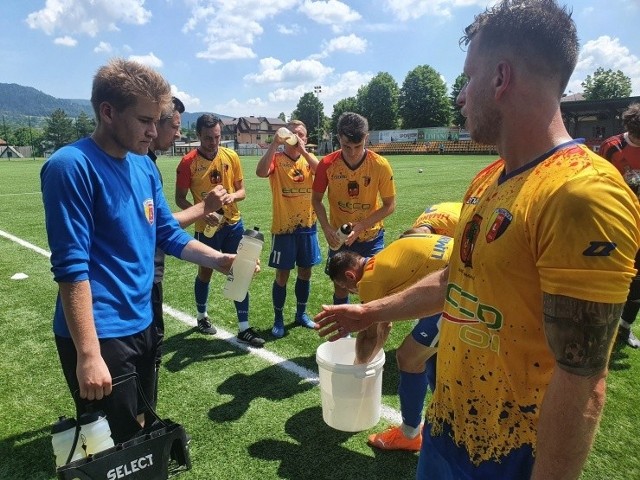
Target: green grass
[{"x": 248, "y": 418}]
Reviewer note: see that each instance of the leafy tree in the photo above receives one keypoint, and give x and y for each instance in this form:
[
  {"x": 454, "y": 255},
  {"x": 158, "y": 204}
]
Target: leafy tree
[
  {"x": 310, "y": 111},
  {"x": 458, "y": 119},
  {"x": 282, "y": 117},
  {"x": 606, "y": 84},
  {"x": 349, "y": 104},
  {"x": 423, "y": 99},
  {"x": 84, "y": 125},
  {"x": 29, "y": 136},
  {"x": 59, "y": 130},
  {"x": 378, "y": 102}
]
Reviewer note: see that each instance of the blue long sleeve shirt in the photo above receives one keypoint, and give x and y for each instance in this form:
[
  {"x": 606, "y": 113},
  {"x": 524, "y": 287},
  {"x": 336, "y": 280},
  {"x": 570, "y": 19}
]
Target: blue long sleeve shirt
[{"x": 104, "y": 218}]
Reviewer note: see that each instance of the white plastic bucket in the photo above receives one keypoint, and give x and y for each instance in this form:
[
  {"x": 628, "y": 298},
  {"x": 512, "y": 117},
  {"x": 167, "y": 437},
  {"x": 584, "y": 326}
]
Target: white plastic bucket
[{"x": 350, "y": 394}]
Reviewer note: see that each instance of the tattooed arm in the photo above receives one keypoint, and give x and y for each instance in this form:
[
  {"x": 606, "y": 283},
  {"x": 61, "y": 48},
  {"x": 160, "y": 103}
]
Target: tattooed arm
[{"x": 580, "y": 334}]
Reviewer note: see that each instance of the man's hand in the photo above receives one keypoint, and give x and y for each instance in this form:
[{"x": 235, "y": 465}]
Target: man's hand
[
  {"x": 215, "y": 199},
  {"x": 94, "y": 378},
  {"x": 336, "y": 321},
  {"x": 370, "y": 341}
]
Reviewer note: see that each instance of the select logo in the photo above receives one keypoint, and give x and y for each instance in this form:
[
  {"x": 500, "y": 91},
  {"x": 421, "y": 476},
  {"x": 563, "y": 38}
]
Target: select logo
[{"x": 133, "y": 466}]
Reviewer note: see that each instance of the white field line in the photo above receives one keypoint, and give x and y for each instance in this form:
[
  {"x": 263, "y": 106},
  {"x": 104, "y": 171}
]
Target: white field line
[
  {"x": 388, "y": 413},
  {"x": 19, "y": 194}
]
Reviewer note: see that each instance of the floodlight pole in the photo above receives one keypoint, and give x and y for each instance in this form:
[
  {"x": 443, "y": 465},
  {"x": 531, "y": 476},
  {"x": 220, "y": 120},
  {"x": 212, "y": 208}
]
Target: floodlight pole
[{"x": 318, "y": 90}]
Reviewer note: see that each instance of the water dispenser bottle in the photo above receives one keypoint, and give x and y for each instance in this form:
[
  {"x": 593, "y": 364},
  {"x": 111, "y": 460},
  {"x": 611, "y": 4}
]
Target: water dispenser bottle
[
  {"x": 95, "y": 432},
  {"x": 62, "y": 434},
  {"x": 244, "y": 265}
]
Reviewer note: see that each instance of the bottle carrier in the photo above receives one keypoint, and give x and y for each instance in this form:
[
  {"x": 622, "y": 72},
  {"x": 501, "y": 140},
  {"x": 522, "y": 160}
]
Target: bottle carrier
[{"x": 155, "y": 453}]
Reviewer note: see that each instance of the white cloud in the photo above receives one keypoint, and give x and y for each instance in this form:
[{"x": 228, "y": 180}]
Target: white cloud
[
  {"x": 88, "y": 17},
  {"x": 191, "y": 103},
  {"x": 103, "y": 47},
  {"x": 289, "y": 29},
  {"x": 332, "y": 12},
  {"x": 232, "y": 26},
  {"x": 235, "y": 108},
  {"x": 295, "y": 71},
  {"x": 608, "y": 53},
  {"x": 150, "y": 60},
  {"x": 413, "y": 9},
  {"x": 66, "y": 41},
  {"x": 346, "y": 43}
]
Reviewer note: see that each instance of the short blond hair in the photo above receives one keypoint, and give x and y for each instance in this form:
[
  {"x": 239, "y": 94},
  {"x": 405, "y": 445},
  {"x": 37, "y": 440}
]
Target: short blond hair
[{"x": 122, "y": 82}]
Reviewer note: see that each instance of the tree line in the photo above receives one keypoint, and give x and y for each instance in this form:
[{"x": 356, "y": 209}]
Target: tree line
[{"x": 422, "y": 101}]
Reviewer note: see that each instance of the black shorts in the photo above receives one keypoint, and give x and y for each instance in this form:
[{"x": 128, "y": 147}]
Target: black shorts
[{"x": 134, "y": 353}]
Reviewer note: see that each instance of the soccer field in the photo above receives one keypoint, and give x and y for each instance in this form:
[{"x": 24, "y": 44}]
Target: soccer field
[{"x": 252, "y": 414}]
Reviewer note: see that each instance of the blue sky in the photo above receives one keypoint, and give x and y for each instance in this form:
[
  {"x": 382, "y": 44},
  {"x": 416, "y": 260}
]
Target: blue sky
[{"x": 258, "y": 57}]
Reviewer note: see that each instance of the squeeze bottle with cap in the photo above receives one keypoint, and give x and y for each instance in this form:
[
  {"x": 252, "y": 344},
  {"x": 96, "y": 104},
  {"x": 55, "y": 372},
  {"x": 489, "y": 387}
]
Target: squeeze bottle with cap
[
  {"x": 342, "y": 233},
  {"x": 62, "y": 434},
  {"x": 289, "y": 137},
  {"x": 244, "y": 265},
  {"x": 95, "y": 432},
  {"x": 210, "y": 230}
]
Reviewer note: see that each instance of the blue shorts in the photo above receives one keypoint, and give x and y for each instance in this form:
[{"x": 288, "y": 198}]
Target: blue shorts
[
  {"x": 366, "y": 249},
  {"x": 299, "y": 248},
  {"x": 427, "y": 331},
  {"x": 226, "y": 239},
  {"x": 441, "y": 458}
]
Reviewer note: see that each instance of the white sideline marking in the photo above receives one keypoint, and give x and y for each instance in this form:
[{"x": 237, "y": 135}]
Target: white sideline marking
[{"x": 388, "y": 413}]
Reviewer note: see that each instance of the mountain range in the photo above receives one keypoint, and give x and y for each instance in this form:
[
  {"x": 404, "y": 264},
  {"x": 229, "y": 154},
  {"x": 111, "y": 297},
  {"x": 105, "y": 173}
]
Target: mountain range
[{"x": 20, "y": 105}]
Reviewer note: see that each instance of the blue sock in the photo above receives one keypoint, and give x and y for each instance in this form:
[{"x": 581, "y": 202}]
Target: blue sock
[
  {"x": 279, "y": 296},
  {"x": 303, "y": 288},
  {"x": 340, "y": 301},
  {"x": 201, "y": 291},
  {"x": 412, "y": 389},
  {"x": 242, "y": 310}
]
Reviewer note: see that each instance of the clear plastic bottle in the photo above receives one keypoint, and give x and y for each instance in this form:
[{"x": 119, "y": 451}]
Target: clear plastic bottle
[
  {"x": 342, "y": 233},
  {"x": 244, "y": 265},
  {"x": 95, "y": 432},
  {"x": 210, "y": 230},
  {"x": 289, "y": 137},
  {"x": 62, "y": 435}
]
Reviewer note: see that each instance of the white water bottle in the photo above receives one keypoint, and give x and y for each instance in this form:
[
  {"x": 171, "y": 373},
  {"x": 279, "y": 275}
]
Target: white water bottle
[
  {"x": 244, "y": 265},
  {"x": 289, "y": 137},
  {"x": 95, "y": 432},
  {"x": 62, "y": 435},
  {"x": 210, "y": 230},
  {"x": 342, "y": 233}
]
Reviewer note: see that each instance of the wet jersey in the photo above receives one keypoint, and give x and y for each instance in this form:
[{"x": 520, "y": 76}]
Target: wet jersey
[
  {"x": 442, "y": 218},
  {"x": 354, "y": 193},
  {"x": 200, "y": 175},
  {"x": 565, "y": 224}
]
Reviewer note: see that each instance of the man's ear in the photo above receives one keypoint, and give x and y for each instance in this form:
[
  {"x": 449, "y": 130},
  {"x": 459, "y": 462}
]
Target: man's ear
[
  {"x": 502, "y": 78},
  {"x": 350, "y": 275},
  {"x": 106, "y": 112}
]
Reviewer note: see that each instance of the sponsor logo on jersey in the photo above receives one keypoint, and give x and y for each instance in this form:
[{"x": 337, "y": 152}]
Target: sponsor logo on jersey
[
  {"x": 366, "y": 181},
  {"x": 349, "y": 207},
  {"x": 599, "y": 249},
  {"x": 296, "y": 175}
]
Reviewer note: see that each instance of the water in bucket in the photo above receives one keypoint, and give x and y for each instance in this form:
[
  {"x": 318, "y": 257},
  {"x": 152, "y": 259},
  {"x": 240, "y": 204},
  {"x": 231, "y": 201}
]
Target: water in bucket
[{"x": 351, "y": 394}]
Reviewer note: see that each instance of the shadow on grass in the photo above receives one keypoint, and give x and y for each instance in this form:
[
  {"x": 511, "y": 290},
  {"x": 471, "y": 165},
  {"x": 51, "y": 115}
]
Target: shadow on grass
[
  {"x": 316, "y": 451},
  {"x": 619, "y": 359},
  {"x": 28, "y": 455},
  {"x": 191, "y": 347},
  {"x": 271, "y": 383}
]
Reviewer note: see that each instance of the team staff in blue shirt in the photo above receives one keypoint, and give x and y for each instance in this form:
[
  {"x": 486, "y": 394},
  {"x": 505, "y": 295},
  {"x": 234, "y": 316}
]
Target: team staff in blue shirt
[{"x": 105, "y": 214}]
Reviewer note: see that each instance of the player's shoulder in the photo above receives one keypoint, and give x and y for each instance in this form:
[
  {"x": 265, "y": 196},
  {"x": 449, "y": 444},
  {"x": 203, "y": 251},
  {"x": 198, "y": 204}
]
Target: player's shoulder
[{"x": 190, "y": 156}]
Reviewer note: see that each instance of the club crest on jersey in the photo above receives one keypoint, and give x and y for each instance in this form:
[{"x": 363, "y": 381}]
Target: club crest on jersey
[
  {"x": 469, "y": 239},
  {"x": 149, "y": 211},
  {"x": 296, "y": 175},
  {"x": 353, "y": 189},
  {"x": 498, "y": 223},
  {"x": 215, "y": 177}
]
